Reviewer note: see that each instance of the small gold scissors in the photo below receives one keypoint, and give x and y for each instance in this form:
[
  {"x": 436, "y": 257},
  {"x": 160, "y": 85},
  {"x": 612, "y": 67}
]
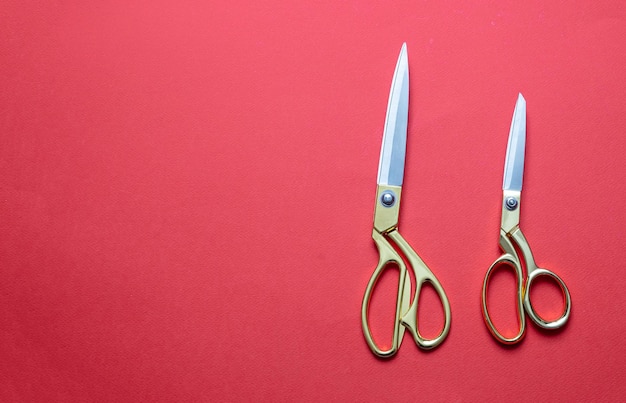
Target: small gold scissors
[
  {"x": 512, "y": 240},
  {"x": 390, "y": 176}
]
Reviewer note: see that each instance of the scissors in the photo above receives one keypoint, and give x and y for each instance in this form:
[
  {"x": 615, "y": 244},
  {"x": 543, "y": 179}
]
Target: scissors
[
  {"x": 385, "y": 232},
  {"x": 513, "y": 242}
]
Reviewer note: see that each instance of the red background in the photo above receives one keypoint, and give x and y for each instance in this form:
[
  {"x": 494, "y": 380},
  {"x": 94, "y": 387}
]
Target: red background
[{"x": 187, "y": 188}]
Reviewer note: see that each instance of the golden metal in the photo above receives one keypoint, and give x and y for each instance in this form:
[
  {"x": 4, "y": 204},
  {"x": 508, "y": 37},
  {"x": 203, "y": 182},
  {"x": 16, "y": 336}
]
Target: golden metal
[
  {"x": 510, "y": 218},
  {"x": 386, "y": 218},
  {"x": 512, "y": 240},
  {"x": 386, "y": 230}
]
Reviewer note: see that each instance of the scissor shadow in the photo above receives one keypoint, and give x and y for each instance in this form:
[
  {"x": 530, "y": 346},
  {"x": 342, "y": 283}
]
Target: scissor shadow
[
  {"x": 552, "y": 332},
  {"x": 531, "y": 327},
  {"x": 404, "y": 349}
]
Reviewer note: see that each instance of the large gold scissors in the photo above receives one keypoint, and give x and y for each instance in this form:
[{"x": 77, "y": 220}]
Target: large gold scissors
[
  {"x": 513, "y": 242},
  {"x": 387, "y": 207}
]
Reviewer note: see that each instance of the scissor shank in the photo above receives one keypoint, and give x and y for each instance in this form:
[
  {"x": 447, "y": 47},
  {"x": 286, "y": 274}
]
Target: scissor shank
[{"x": 386, "y": 218}]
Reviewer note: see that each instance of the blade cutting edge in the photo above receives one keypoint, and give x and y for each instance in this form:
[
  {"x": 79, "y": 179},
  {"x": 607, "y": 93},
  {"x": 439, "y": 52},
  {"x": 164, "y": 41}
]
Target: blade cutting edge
[
  {"x": 514, "y": 163},
  {"x": 393, "y": 149}
]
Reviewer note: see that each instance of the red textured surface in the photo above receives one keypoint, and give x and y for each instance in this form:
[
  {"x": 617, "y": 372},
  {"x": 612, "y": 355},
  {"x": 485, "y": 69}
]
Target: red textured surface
[{"x": 186, "y": 197}]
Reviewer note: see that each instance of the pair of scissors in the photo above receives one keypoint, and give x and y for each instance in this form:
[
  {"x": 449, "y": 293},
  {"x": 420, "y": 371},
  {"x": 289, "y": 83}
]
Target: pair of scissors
[
  {"x": 385, "y": 232},
  {"x": 512, "y": 240}
]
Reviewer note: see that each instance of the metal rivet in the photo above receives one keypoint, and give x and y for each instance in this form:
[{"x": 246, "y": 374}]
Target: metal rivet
[
  {"x": 510, "y": 203},
  {"x": 388, "y": 199}
]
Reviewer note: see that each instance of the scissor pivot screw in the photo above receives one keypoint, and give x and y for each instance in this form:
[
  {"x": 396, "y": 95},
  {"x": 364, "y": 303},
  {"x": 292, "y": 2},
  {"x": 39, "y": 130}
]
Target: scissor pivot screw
[
  {"x": 388, "y": 199},
  {"x": 510, "y": 203}
]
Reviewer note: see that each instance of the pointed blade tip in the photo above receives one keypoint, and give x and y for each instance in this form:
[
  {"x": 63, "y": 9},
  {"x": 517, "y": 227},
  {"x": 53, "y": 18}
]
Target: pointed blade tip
[
  {"x": 521, "y": 101},
  {"x": 403, "y": 58},
  {"x": 514, "y": 162},
  {"x": 393, "y": 149}
]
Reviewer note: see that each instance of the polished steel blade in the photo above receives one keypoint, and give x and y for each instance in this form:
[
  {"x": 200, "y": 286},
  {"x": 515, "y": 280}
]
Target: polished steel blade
[
  {"x": 393, "y": 150},
  {"x": 514, "y": 165}
]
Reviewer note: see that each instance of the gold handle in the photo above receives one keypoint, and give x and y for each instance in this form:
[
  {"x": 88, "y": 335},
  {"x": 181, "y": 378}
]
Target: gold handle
[
  {"x": 553, "y": 324},
  {"x": 387, "y": 255},
  {"x": 533, "y": 273},
  {"x": 509, "y": 258},
  {"x": 422, "y": 274}
]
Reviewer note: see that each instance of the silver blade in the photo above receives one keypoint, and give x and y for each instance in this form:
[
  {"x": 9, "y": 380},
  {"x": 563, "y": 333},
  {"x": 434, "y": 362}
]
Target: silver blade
[
  {"x": 514, "y": 165},
  {"x": 393, "y": 150}
]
